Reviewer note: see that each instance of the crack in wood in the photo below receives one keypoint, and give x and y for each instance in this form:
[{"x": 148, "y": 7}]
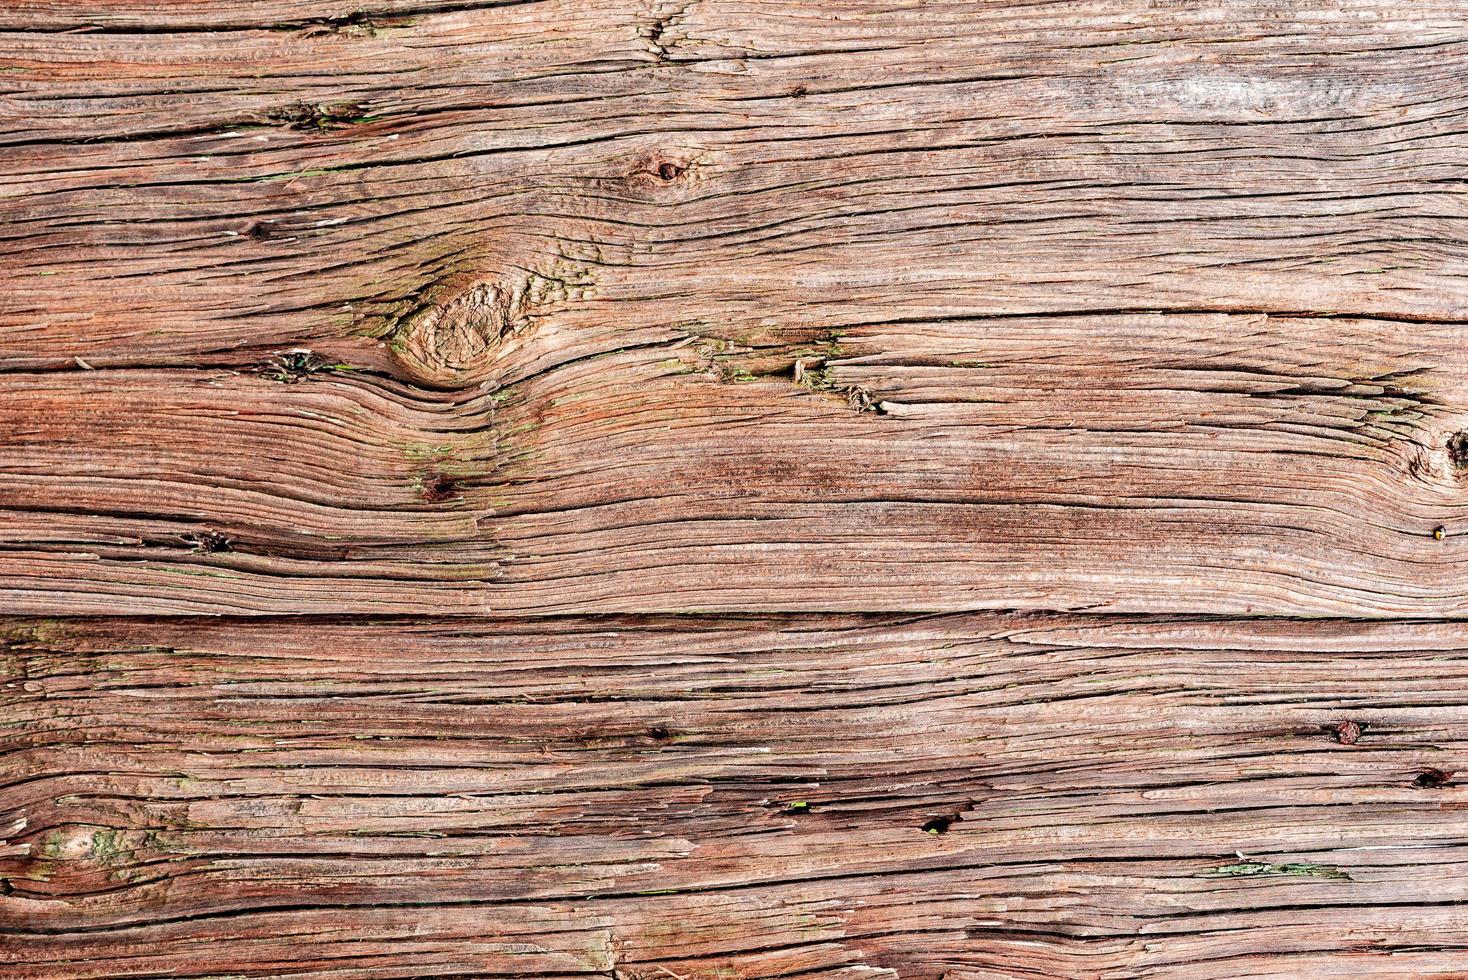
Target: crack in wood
[{"x": 412, "y": 413}]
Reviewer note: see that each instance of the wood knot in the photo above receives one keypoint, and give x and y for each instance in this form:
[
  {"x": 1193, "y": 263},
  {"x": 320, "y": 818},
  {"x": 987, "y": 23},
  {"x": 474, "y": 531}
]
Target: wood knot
[
  {"x": 454, "y": 343},
  {"x": 657, "y": 171}
]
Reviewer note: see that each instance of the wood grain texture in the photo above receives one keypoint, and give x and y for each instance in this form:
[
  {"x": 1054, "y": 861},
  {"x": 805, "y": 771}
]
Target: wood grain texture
[
  {"x": 1139, "y": 463},
  {"x": 964, "y": 795},
  {"x": 1166, "y": 293},
  {"x": 720, "y": 489}
]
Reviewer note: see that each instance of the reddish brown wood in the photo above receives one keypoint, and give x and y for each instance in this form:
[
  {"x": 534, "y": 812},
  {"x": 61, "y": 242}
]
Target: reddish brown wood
[
  {"x": 541, "y": 272},
  {"x": 721, "y": 489},
  {"x": 962, "y": 795}
]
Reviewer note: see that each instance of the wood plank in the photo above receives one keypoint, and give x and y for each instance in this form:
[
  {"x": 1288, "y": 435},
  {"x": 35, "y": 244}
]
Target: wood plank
[
  {"x": 1140, "y": 463},
  {"x": 737, "y": 797}
]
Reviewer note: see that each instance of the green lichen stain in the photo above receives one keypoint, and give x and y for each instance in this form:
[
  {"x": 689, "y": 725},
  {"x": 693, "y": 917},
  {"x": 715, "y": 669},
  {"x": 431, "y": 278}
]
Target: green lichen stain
[
  {"x": 1253, "y": 869},
  {"x": 105, "y": 845},
  {"x": 294, "y": 366}
]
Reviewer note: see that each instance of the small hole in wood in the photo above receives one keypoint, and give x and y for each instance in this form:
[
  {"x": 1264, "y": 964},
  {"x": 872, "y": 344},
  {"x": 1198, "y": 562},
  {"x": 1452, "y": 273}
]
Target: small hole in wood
[
  {"x": 659, "y": 734},
  {"x": 1431, "y": 778},
  {"x": 293, "y": 366},
  {"x": 1458, "y": 450},
  {"x": 209, "y": 542},
  {"x": 939, "y": 825},
  {"x": 437, "y": 487},
  {"x": 669, "y": 171}
]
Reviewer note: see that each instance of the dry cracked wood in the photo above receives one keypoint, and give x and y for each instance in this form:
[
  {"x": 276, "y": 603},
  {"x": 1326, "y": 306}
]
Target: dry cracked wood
[
  {"x": 1219, "y": 463},
  {"x": 733, "y": 488},
  {"x": 1174, "y": 294},
  {"x": 973, "y": 795}
]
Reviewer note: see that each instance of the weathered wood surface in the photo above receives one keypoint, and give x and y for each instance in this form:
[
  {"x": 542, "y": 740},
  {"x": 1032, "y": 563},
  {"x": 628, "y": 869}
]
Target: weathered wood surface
[
  {"x": 1121, "y": 463},
  {"x": 576, "y": 251},
  {"x": 736, "y": 797},
  {"x": 648, "y": 464}
]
